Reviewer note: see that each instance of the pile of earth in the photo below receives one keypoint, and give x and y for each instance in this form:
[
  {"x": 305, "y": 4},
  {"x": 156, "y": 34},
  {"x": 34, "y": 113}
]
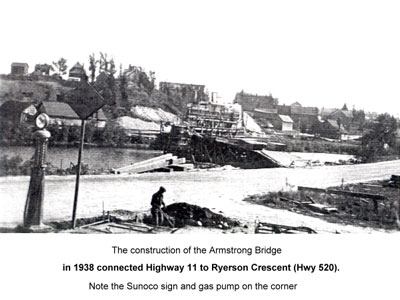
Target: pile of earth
[
  {"x": 175, "y": 215},
  {"x": 188, "y": 214}
]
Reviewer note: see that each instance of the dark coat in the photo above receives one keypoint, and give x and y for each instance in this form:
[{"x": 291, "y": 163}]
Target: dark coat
[{"x": 157, "y": 200}]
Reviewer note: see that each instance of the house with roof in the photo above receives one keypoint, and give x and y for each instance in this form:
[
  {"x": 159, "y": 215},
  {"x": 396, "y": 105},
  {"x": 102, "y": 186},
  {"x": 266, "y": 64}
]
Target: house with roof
[
  {"x": 303, "y": 116},
  {"x": 16, "y": 113},
  {"x": 329, "y": 129},
  {"x": 270, "y": 119},
  {"x": 42, "y": 69},
  {"x": 60, "y": 113},
  {"x": 285, "y": 123},
  {"x": 77, "y": 73},
  {"x": 342, "y": 116},
  {"x": 19, "y": 68},
  {"x": 250, "y": 102}
]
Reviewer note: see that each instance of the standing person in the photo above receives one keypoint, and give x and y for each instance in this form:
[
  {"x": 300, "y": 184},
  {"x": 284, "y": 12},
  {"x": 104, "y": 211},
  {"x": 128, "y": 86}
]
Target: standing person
[{"x": 157, "y": 200}]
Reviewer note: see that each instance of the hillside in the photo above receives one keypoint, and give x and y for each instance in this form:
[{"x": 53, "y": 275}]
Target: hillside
[
  {"x": 33, "y": 89},
  {"x": 136, "y": 100}
]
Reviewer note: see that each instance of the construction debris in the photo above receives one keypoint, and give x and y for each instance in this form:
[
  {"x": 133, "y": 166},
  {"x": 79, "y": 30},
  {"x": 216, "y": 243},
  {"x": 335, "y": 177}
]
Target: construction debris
[
  {"x": 268, "y": 228},
  {"x": 393, "y": 182},
  {"x": 343, "y": 192},
  {"x": 373, "y": 204},
  {"x": 310, "y": 204},
  {"x": 189, "y": 214}
]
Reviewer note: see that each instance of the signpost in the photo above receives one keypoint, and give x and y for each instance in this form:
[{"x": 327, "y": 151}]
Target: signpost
[
  {"x": 85, "y": 101},
  {"x": 78, "y": 172}
]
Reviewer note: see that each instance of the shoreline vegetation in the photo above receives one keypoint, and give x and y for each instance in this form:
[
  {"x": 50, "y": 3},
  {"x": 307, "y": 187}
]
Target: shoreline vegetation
[
  {"x": 16, "y": 166},
  {"x": 372, "y": 204}
]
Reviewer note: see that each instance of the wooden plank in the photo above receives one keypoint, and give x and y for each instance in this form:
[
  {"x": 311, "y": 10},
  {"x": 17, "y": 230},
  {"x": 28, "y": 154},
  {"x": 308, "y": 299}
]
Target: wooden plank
[
  {"x": 147, "y": 161},
  {"x": 177, "y": 168},
  {"x": 130, "y": 228},
  {"x": 163, "y": 170},
  {"x": 99, "y": 230},
  {"x": 356, "y": 194},
  {"x": 343, "y": 192},
  {"x": 320, "y": 208},
  {"x": 177, "y": 161},
  {"x": 187, "y": 166},
  {"x": 139, "y": 225},
  {"x": 95, "y": 223},
  {"x": 311, "y": 189},
  {"x": 147, "y": 167},
  {"x": 273, "y": 228},
  {"x": 153, "y": 160},
  {"x": 127, "y": 169}
]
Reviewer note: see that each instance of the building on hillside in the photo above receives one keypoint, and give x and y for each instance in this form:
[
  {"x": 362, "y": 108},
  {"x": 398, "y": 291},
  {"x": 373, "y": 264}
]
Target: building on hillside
[
  {"x": 196, "y": 92},
  {"x": 77, "y": 73},
  {"x": 16, "y": 113},
  {"x": 329, "y": 129},
  {"x": 285, "y": 123},
  {"x": 19, "y": 68},
  {"x": 270, "y": 119},
  {"x": 343, "y": 117},
  {"x": 60, "y": 113},
  {"x": 42, "y": 69},
  {"x": 371, "y": 116},
  {"x": 303, "y": 117},
  {"x": 250, "y": 102}
]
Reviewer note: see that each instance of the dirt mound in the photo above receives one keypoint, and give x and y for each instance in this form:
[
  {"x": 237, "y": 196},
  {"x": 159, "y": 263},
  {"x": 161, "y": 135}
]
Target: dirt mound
[{"x": 188, "y": 214}]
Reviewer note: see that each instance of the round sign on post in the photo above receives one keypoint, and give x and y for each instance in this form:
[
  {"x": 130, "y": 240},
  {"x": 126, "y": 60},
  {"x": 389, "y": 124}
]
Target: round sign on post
[{"x": 42, "y": 121}]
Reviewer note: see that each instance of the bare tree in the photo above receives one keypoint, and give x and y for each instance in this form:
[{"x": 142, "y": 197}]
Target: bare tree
[
  {"x": 92, "y": 67},
  {"x": 61, "y": 66}
]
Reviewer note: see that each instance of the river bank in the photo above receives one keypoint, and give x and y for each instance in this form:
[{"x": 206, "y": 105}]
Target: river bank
[
  {"x": 372, "y": 204},
  {"x": 222, "y": 191},
  {"x": 97, "y": 158}
]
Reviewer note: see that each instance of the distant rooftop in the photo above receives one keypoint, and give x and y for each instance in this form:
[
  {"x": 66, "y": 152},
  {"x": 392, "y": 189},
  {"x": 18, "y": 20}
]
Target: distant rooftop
[
  {"x": 286, "y": 119},
  {"x": 267, "y": 110},
  {"x": 59, "y": 109},
  {"x": 16, "y": 64}
]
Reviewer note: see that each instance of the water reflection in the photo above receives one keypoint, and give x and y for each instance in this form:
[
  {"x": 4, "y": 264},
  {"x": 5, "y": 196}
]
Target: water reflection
[{"x": 97, "y": 158}]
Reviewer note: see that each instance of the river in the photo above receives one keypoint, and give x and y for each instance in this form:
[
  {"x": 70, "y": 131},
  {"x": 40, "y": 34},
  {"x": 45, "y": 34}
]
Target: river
[
  {"x": 219, "y": 190},
  {"x": 95, "y": 157}
]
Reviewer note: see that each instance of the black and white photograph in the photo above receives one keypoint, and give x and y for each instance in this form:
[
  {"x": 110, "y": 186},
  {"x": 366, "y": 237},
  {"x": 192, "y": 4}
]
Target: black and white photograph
[{"x": 207, "y": 119}]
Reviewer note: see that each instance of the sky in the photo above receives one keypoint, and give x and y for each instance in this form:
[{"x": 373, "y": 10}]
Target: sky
[{"x": 319, "y": 53}]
